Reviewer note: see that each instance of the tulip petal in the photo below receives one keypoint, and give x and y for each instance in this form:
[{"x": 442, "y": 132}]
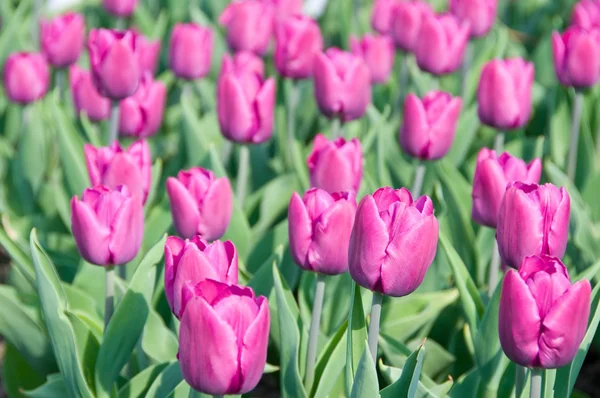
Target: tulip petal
[
  {"x": 254, "y": 348},
  {"x": 327, "y": 86},
  {"x": 127, "y": 231},
  {"x": 414, "y": 134},
  {"x": 91, "y": 236},
  {"x": 265, "y": 105},
  {"x": 300, "y": 230},
  {"x": 216, "y": 210},
  {"x": 122, "y": 170},
  {"x": 443, "y": 130},
  {"x": 235, "y": 113},
  {"x": 184, "y": 209},
  {"x": 559, "y": 229}
]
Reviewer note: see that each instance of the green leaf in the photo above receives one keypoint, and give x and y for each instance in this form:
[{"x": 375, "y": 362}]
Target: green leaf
[
  {"x": 54, "y": 387},
  {"x": 166, "y": 381},
  {"x": 155, "y": 184},
  {"x": 17, "y": 375},
  {"x": 21, "y": 259},
  {"x": 408, "y": 383},
  {"x": 330, "y": 363},
  {"x": 127, "y": 323},
  {"x": 141, "y": 382},
  {"x": 365, "y": 380},
  {"x": 158, "y": 341},
  {"x": 356, "y": 337}
]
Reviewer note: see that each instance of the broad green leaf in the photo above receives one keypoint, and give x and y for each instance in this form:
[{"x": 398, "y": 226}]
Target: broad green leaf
[
  {"x": 181, "y": 391},
  {"x": 356, "y": 337},
  {"x": 365, "y": 380},
  {"x": 21, "y": 259},
  {"x": 330, "y": 363},
  {"x": 166, "y": 381},
  {"x": 17, "y": 375},
  {"x": 141, "y": 382},
  {"x": 408, "y": 383},
  {"x": 54, "y": 387},
  {"x": 158, "y": 341},
  {"x": 432, "y": 390}
]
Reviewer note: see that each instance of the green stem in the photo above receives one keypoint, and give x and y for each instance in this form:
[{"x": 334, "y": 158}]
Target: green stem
[
  {"x": 520, "y": 376},
  {"x": 380, "y": 156},
  {"x": 123, "y": 272},
  {"x": 292, "y": 101},
  {"x": 418, "y": 181},
  {"x": 374, "y": 324},
  {"x": 336, "y": 128},
  {"x": 35, "y": 28},
  {"x": 536, "y": 383},
  {"x": 120, "y": 23},
  {"x": 577, "y": 108},
  {"x": 109, "y": 300},
  {"x": 499, "y": 142},
  {"x": 313, "y": 336},
  {"x": 113, "y": 127},
  {"x": 465, "y": 70},
  {"x": 243, "y": 173},
  {"x": 61, "y": 83},
  {"x": 494, "y": 268}
]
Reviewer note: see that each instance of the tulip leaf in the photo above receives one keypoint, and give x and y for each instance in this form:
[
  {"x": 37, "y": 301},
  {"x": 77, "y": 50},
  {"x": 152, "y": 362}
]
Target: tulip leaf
[
  {"x": 127, "y": 323},
  {"x": 181, "y": 391},
  {"x": 166, "y": 381},
  {"x": 330, "y": 363},
  {"x": 408, "y": 383},
  {"x": 54, "y": 387},
  {"x": 365, "y": 380},
  {"x": 154, "y": 185},
  {"x": 356, "y": 337},
  {"x": 425, "y": 388},
  {"x": 60, "y": 330},
  {"x": 19, "y": 258},
  {"x": 158, "y": 341},
  {"x": 141, "y": 382}
]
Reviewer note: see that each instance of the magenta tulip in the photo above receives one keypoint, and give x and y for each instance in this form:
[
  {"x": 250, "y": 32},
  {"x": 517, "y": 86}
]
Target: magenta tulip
[
  {"x": 342, "y": 83},
  {"x": 504, "y": 93},
  {"x": 586, "y": 14},
  {"x": 480, "y": 14},
  {"x": 223, "y": 338},
  {"x": 441, "y": 43},
  {"x": 26, "y": 77},
  {"x": 381, "y": 18},
  {"x": 108, "y": 225},
  {"x": 190, "y": 51},
  {"x": 193, "y": 261},
  {"x": 533, "y": 220},
  {"x": 429, "y": 124},
  {"x": 62, "y": 39},
  {"x": 141, "y": 114},
  {"x": 407, "y": 17},
  {"x": 119, "y": 8},
  {"x": 393, "y": 241},
  {"x": 149, "y": 53},
  {"x": 85, "y": 96},
  {"x": 201, "y": 204},
  {"x": 115, "y": 63},
  {"x": 336, "y": 166},
  {"x": 542, "y": 318},
  {"x": 577, "y": 56},
  {"x": 285, "y": 9},
  {"x": 113, "y": 166},
  {"x": 378, "y": 53},
  {"x": 249, "y": 25},
  {"x": 298, "y": 41}
]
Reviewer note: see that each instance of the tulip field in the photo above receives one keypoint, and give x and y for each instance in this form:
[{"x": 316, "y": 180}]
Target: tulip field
[{"x": 300, "y": 198}]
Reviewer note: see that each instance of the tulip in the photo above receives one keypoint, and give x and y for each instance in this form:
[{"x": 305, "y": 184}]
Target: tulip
[
  {"x": 245, "y": 102},
  {"x": 542, "y": 317},
  {"x": 441, "y": 44},
  {"x": 429, "y": 124},
  {"x": 533, "y": 220},
  {"x": 249, "y": 25},
  {"x": 85, "y": 95},
  {"x": 285, "y": 9},
  {"x": 393, "y": 241},
  {"x": 115, "y": 62},
  {"x": 200, "y": 203},
  {"x": 504, "y": 93},
  {"x": 336, "y": 166},
  {"x": 26, "y": 77},
  {"x": 298, "y": 41},
  {"x": 223, "y": 338},
  {"x": 492, "y": 174},
  {"x": 381, "y": 19},
  {"x": 342, "y": 83},
  {"x": 119, "y": 8},
  {"x": 319, "y": 230},
  {"x": 378, "y": 53},
  {"x": 62, "y": 39},
  {"x": 141, "y": 114},
  {"x": 577, "y": 56},
  {"x": 586, "y": 14},
  {"x": 149, "y": 53},
  {"x": 108, "y": 225},
  {"x": 113, "y": 166},
  {"x": 480, "y": 14},
  {"x": 193, "y": 261},
  {"x": 407, "y": 17},
  {"x": 190, "y": 51}
]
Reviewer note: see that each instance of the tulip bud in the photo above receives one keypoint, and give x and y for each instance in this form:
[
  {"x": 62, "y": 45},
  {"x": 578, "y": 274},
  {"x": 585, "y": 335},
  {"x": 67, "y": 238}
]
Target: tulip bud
[
  {"x": 85, "y": 96},
  {"x": 285, "y": 9},
  {"x": 108, "y": 225},
  {"x": 586, "y": 14},
  {"x": 381, "y": 19},
  {"x": 336, "y": 166},
  {"x": 249, "y": 25},
  {"x": 26, "y": 77},
  {"x": 200, "y": 203},
  {"x": 223, "y": 338},
  {"x": 141, "y": 114},
  {"x": 62, "y": 39},
  {"x": 576, "y": 56},
  {"x": 342, "y": 83},
  {"x": 441, "y": 44},
  {"x": 393, "y": 241},
  {"x": 407, "y": 17},
  {"x": 429, "y": 125},
  {"x": 542, "y": 317},
  {"x": 533, "y": 220},
  {"x": 190, "y": 51},
  {"x": 245, "y": 102},
  {"x": 149, "y": 53},
  {"x": 480, "y": 14},
  {"x": 193, "y": 261},
  {"x": 115, "y": 63},
  {"x": 112, "y": 166},
  {"x": 378, "y": 53},
  {"x": 319, "y": 228},
  {"x": 298, "y": 41},
  {"x": 119, "y": 8}
]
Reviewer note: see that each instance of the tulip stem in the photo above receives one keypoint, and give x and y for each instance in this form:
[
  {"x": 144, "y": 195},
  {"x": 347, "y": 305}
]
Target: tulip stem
[
  {"x": 35, "y": 29},
  {"x": 465, "y": 70},
  {"x": 494, "y": 266},
  {"x": 536, "y": 383},
  {"x": 403, "y": 82},
  {"x": 120, "y": 23},
  {"x": 418, "y": 181},
  {"x": 577, "y": 108},
  {"x": 337, "y": 130},
  {"x": 520, "y": 375},
  {"x": 61, "y": 83},
  {"x": 113, "y": 127},
  {"x": 243, "y": 172},
  {"x": 499, "y": 142},
  {"x": 313, "y": 336},
  {"x": 374, "y": 324},
  {"x": 292, "y": 101},
  {"x": 109, "y": 301}
]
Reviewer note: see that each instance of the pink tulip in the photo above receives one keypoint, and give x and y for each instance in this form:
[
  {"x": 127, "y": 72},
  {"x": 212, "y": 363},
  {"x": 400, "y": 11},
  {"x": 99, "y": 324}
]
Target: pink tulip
[
  {"x": 378, "y": 53},
  {"x": 480, "y": 14},
  {"x": 62, "y": 39},
  {"x": 429, "y": 124},
  {"x": 108, "y": 225},
  {"x": 149, "y": 53},
  {"x": 285, "y": 9},
  {"x": 577, "y": 56},
  {"x": 298, "y": 41},
  {"x": 141, "y": 114},
  {"x": 319, "y": 229},
  {"x": 336, "y": 166},
  {"x": 249, "y": 25},
  {"x": 201, "y": 204},
  {"x": 190, "y": 51},
  {"x": 586, "y": 14},
  {"x": 407, "y": 17},
  {"x": 342, "y": 83},
  {"x": 533, "y": 220},
  {"x": 381, "y": 18},
  {"x": 492, "y": 174},
  {"x": 119, "y": 8},
  {"x": 542, "y": 318},
  {"x": 193, "y": 261},
  {"x": 441, "y": 44},
  {"x": 26, "y": 77},
  {"x": 85, "y": 95},
  {"x": 115, "y": 63},
  {"x": 223, "y": 338},
  {"x": 113, "y": 166},
  {"x": 393, "y": 241},
  {"x": 245, "y": 101}
]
